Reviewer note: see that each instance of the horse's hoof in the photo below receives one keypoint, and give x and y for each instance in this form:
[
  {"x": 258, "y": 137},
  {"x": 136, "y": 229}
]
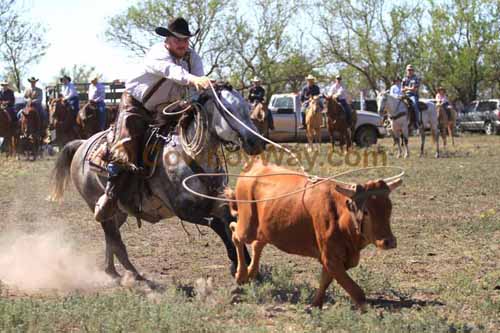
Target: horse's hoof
[{"x": 437, "y": 155}]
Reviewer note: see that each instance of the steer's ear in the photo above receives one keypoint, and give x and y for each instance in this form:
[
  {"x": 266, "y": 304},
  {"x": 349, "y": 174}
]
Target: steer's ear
[
  {"x": 394, "y": 184},
  {"x": 347, "y": 190}
]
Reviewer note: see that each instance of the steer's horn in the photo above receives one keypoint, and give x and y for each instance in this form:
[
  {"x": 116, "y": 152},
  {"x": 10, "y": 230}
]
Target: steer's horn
[
  {"x": 393, "y": 184},
  {"x": 349, "y": 190}
]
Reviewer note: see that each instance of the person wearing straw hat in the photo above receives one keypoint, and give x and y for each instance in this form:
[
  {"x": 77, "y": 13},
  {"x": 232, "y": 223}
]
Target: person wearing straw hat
[
  {"x": 411, "y": 85},
  {"x": 7, "y": 99},
  {"x": 70, "y": 95},
  {"x": 97, "y": 96},
  {"x": 35, "y": 95},
  {"x": 395, "y": 89},
  {"x": 308, "y": 91},
  {"x": 170, "y": 69},
  {"x": 257, "y": 94},
  {"x": 442, "y": 98}
]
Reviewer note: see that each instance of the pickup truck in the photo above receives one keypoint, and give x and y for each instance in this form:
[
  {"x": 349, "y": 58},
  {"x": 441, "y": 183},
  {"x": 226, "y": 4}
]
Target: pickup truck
[{"x": 285, "y": 109}]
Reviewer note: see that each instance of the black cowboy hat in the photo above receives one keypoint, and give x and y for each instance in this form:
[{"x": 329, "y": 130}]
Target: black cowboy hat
[
  {"x": 178, "y": 27},
  {"x": 65, "y": 77},
  {"x": 32, "y": 79}
]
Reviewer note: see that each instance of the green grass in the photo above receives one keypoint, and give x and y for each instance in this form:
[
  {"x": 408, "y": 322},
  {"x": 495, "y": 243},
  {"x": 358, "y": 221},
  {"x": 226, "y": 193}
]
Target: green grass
[{"x": 443, "y": 277}]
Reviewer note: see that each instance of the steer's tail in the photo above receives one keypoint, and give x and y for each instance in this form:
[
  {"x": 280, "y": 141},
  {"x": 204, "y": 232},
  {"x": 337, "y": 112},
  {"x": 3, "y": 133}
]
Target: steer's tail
[
  {"x": 61, "y": 172},
  {"x": 233, "y": 206}
]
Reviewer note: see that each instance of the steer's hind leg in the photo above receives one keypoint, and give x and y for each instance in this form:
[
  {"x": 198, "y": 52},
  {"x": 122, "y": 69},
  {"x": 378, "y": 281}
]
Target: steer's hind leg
[
  {"x": 253, "y": 269},
  {"x": 242, "y": 269}
]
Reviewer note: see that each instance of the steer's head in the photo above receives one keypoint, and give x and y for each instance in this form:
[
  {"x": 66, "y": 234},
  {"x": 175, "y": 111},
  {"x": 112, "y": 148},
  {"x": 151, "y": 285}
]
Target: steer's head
[{"x": 370, "y": 209}]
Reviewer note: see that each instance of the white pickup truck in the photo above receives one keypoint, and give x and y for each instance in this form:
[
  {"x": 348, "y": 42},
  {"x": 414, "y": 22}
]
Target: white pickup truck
[{"x": 285, "y": 109}]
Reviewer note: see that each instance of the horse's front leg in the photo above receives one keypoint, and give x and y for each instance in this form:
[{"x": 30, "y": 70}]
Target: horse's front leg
[{"x": 422, "y": 140}]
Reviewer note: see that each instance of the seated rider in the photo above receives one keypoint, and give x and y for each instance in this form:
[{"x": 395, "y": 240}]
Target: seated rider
[
  {"x": 411, "y": 84},
  {"x": 169, "y": 69},
  {"x": 97, "y": 95},
  {"x": 395, "y": 89},
  {"x": 7, "y": 100},
  {"x": 338, "y": 92},
  {"x": 257, "y": 94},
  {"x": 35, "y": 95},
  {"x": 308, "y": 91},
  {"x": 70, "y": 95}
]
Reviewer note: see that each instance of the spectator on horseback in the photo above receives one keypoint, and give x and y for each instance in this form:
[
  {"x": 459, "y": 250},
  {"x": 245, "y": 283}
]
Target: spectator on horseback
[
  {"x": 70, "y": 95},
  {"x": 170, "y": 68},
  {"x": 7, "y": 100},
  {"x": 35, "y": 95},
  {"x": 308, "y": 91},
  {"x": 97, "y": 95},
  {"x": 257, "y": 94},
  {"x": 411, "y": 84},
  {"x": 442, "y": 98},
  {"x": 338, "y": 92},
  {"x": 395, "y": 89}
]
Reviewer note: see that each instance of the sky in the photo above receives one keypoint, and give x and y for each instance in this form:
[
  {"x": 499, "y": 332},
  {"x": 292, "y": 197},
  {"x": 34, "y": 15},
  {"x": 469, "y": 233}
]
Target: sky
[{"x": 75, "y": 31}]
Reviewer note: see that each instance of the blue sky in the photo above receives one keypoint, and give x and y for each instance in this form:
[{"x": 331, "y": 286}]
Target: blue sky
[{"x": 75, "y": 31}]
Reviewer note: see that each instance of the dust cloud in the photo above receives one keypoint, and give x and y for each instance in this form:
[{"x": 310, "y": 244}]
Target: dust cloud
[{"x": 34, "y": 262}]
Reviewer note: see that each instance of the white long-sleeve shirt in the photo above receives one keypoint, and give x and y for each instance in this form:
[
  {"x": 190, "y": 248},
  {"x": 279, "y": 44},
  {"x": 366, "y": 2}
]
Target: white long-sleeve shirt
[
  {"x": 395, "y": 90},
  {"x": 97, "y": 92},
  {"x": 159, "y": 63},
  {"x": 68, "y": 91},
  {"x": 339, "y": 90}
]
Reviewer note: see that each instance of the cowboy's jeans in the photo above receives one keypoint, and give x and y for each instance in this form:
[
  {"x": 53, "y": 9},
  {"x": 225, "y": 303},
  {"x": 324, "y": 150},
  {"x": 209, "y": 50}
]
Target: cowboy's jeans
[
  {"x": 74, "y": 103},
  {"x": 101, "y": 115},
  {"x": 414, "y": 99}
]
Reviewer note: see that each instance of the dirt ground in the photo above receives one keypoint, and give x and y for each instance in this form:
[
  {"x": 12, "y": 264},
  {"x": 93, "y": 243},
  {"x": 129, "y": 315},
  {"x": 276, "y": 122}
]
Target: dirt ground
[{"x": 446, "y": 217}]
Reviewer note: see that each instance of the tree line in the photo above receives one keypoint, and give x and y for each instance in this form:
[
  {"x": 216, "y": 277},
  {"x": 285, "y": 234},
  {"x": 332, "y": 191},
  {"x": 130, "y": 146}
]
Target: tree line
[{"x": 452, "y": 43}]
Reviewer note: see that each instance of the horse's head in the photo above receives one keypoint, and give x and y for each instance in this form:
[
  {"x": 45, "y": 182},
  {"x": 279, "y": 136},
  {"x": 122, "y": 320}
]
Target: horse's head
[
  {"x": 57, "y": 111},
  {"x": 259, "y": 112},
  {"x": 382, "y": 97},
  {"x": 30, "y": 119},
  {"x": 230, "y": 122}
]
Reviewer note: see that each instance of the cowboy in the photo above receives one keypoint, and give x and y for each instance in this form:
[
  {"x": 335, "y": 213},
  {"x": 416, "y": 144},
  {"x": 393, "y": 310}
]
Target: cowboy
[
  {"x": 395, "y": 89},
  {"x": 7, "y": 100},
  {"x": 169, "y": 69},
  {"x": 35, "y": 95},
  {"x": 257, "y": 94},
  {"x": 308, "y": 91},
  {"x": 338, "y": 92},
  {"x": 411, "y": 84},
  {"x": 70, "y": 95},
  {"x": 97, "y": 95}
]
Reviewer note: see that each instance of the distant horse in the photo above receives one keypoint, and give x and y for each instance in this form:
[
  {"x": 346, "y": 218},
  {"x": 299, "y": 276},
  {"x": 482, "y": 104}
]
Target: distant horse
[
  {"x": 397, "y": 114},
  {"x": 32, "y": 130},
  {"x": 258, "y": 115},
  {"x": 87, "y": 120},
  {"x": 162, "y": 195},
  {"x": 314, "y": 119},
  {"x": 337, "y": 122},
  {"x": 62, "y": 121},
  {"x": 8, "y": 130},
  {"x": 447, "y": 122}
]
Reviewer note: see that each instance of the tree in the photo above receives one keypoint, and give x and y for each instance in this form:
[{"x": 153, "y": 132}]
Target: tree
[
  {"x": 77, "y": 73},
  {"x": 370, "y": 37},
  {"x": 461, "y": 47},
  {"x": 134, "y": 29},
  {"x": 22, "y": 42}
]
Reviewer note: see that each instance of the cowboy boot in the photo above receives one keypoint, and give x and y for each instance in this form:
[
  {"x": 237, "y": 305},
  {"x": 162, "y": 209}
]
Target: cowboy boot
[{"x": 106, "y": 206}]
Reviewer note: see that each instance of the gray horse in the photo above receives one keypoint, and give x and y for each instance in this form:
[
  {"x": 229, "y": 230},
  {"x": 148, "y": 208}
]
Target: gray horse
[{"x": 162, "y": 195}]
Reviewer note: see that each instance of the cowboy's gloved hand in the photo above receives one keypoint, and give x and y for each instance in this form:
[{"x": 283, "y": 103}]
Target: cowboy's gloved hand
[{"x": 200, "y": 82}]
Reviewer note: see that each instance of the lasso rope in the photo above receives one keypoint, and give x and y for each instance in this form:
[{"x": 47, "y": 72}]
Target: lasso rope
[
  {"x": 321, "y": 180},
  {"x": 195, "y": 146}
]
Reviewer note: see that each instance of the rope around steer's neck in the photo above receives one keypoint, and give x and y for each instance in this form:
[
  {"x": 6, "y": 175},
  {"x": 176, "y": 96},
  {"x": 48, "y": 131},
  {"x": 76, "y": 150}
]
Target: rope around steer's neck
[
  {"x": 305, "y": 188},
  {"x": 254, "y": 132}
]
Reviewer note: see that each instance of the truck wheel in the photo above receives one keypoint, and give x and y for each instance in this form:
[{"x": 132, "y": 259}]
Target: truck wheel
[
  {"x": 489, "y": 129},
  {"x": 366, "y": 136}
]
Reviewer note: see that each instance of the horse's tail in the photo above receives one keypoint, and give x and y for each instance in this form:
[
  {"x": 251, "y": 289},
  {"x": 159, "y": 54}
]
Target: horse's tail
[{"x": 61, "y": 172}]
